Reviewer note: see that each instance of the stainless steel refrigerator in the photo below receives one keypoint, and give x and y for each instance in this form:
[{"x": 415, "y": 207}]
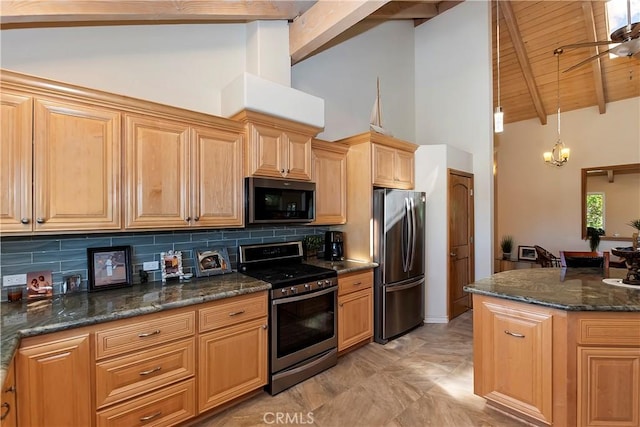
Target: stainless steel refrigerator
[{"x": 398, "y": 248}]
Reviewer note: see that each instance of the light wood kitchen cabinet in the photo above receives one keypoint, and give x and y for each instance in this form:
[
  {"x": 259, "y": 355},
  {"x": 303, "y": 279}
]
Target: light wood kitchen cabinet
[
  {"x": 514, "y": 363},
  {"x": 355, "y": 309},
  {"x": 181, "y": 175},
  {"x": 393, "y": 167},
  {"x": 330, "y": 175},
  {"x": 61, "y": 171},
  {"x": 8, "y": 408},
  {"x": 54, "y": 381},
  {"x": 276, "y": 147},
  {"x": 233, "y": 355}
]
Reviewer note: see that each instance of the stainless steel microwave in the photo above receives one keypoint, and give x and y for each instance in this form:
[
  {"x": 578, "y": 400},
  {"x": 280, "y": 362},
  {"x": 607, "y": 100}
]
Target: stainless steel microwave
[{"x": 279, "y": 201}]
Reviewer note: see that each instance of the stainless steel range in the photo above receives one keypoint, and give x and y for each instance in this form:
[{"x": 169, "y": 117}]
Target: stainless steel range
[{"x": 303, "y": 314}]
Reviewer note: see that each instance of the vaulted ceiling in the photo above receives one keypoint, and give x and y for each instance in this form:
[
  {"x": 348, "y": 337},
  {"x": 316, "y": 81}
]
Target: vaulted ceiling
[{"x": 529, "y": 33}]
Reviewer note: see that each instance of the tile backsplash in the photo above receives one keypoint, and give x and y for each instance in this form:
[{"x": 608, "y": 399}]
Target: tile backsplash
[{"x": 66, "y": 255}]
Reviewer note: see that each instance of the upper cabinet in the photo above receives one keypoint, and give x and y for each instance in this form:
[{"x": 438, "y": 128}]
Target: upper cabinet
[
  {"x": 330, "y": 175},
  {"x": 181, "y": 175},
  {"x": 275, "y": 147},
  {"x": 60, "y": 164}
]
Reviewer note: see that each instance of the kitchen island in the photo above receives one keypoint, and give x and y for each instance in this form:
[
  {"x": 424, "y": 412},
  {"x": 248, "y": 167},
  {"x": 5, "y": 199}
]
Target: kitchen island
[{"x": 558, "y": 347}]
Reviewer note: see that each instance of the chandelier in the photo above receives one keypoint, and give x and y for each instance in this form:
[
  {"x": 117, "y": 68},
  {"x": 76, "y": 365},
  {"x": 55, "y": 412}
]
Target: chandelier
[{"x": 559, "y": 155}]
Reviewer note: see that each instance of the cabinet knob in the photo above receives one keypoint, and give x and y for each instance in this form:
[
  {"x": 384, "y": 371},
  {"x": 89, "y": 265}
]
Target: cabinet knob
[
  {"x": 40, "y": 220},
  {"x": 196, "y": 218},
  {"x": 281, "y": 170},
  {"x": 188, "y": 219},
  {"x": 24, "y": 220},
  {"x": 288, "y": 170},
  {"x": 264, "y": 326}
]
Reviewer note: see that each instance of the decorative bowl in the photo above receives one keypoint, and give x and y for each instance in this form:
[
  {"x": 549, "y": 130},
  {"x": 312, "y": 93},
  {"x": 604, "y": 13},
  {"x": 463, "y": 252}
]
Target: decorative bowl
[{"x": 632, "y": 261}]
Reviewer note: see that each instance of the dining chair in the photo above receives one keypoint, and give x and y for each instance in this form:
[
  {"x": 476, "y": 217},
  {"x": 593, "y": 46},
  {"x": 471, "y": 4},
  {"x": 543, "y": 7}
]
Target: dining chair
[
  {"x": 585, "y": 259},
  {"x": 546, "y": 258}
]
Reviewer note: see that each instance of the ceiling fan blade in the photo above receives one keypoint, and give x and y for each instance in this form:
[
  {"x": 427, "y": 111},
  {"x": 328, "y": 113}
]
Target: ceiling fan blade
[
  {"x": 586, "y": 44},
  {"x": 581, "y": 63}
]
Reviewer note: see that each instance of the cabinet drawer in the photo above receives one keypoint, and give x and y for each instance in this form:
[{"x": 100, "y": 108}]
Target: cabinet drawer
[
  {"x": 232, "y": 311},
  {"x": 165, "y": 407},
  {"x": 352, "y": 282},
  {"x": 129, "y": 376},
  {"x": 610, "y": 331},
  {"x": 138, "y": 335}
]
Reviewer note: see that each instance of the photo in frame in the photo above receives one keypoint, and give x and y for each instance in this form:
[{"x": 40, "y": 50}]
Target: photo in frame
[
  {"x": 71, "y": 284},
  {"x": 39, "y": 284},
  {"x": 171, "y": 264},
  {"x": 527, "y": 253},
  {"x": 211, "y": 261},
  {"x": 109, "y": 268}
]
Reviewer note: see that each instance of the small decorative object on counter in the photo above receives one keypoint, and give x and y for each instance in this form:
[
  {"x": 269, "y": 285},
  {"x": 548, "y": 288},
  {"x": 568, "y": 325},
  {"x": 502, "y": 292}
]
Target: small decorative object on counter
[
  {"x": 14, "y": 294},
  {"x": 635, "y": 237},
  {"x": 211, "y": 261},
  {"x": 632, "y": 260},
  {"x": 39, "y": 285},
  {"x": 506, "y": 244},
  {"x": 171, "y": 262},
  {"x": 71, "y": 283},
  {"x": 311, "y": 245}
]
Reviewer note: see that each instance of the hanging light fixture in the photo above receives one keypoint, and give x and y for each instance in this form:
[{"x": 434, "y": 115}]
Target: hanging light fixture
[
  {"x": 498, "y": 116},
  {"x": 559, "y": 155}
]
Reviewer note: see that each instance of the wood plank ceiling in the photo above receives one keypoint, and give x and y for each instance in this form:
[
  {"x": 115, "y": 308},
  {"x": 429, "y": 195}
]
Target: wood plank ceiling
[{"x": 529, "y": 33}]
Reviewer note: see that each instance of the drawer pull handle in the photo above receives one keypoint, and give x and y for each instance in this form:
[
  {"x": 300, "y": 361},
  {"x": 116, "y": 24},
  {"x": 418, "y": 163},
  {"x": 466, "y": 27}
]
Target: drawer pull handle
[
  {"x": 514, "y": 334},
  {"x": 4, "y": 415},
  {"x": 357, "y": 283},
  {"x": 148, "y": 334},
  {"x": 150, "y": 371},
  {"x": 235, "y": 313},
  {"x": 150, "y": 417}
]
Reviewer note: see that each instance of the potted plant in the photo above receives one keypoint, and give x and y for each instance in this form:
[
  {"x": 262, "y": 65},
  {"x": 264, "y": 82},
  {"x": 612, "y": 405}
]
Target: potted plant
[
  {"x": 311, "y": 245},
  {"x": 593, "y": 236},
  {"x": 634, "y": 237},
  {"x": 506, "y": 244}
]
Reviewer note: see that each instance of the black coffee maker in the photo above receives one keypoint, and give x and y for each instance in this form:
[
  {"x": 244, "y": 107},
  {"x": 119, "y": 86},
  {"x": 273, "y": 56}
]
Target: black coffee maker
[{"x": 333, "y": 246}]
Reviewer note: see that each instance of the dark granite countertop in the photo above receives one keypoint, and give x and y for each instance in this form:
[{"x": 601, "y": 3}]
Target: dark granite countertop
[
  {"x": 29, "y": 318},
  {"x": 342, "y": 267},
  {"x": 564, "y": 289}
]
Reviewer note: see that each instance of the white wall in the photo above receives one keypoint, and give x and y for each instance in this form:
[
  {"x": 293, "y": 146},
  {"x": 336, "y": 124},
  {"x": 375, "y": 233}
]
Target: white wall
[
  {"x": 345, "y": 77},
  {"x": 454, "y": 102},
  {"x": 182, "y": 65},
  {"x": 539, "y": 204}
]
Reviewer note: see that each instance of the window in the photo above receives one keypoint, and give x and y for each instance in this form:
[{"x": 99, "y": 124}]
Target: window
[{"x": 595, "y": 210}]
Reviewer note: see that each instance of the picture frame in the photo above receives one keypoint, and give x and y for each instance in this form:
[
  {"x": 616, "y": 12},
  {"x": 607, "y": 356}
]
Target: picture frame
[
  {"x": 211, "y": 261},
  {"x": 527, "y": 253},
  {"x": 109, "y": 268},
  {"x": 171, "y": 264},
  {"x": 39, "y": 285},
  {"x": 71, "y": 283}
]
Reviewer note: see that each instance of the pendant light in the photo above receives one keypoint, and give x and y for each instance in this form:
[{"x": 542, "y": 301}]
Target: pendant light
[
  {"x": 559, "y": 155},
  {"x": 498, "y": 116}
]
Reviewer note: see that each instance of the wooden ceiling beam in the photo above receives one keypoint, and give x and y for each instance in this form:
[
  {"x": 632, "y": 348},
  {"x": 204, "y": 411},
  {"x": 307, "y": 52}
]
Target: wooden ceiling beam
[
  {"x": 523, "y": 59},
  {"x": 325, "y": 20},
  {"x": 596, "y": 65},
  {"x": 83, "y": 11},
  {"x": 406, "y": 10}
]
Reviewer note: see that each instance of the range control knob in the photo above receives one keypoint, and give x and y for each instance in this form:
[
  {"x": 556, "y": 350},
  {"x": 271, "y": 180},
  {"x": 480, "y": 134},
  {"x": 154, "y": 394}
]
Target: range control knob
[
  {"x": 327, "y": 282},
  {"x": 308, "y": 286},
  {"x": 293, "y": 290},
  {"x": 320, "y": 283},
  {"x": 283, "y": 291}
]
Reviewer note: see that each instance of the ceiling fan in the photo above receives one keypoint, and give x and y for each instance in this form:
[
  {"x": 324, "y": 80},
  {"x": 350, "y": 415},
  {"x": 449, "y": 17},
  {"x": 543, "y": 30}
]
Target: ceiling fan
[{"x": 626, "y": 37}]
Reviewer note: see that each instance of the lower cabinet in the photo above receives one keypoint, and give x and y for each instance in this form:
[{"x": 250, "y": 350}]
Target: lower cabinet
[
  {"x": 54, "y": 382},
  {"x": 355, "y": 309},
  {"x": 8, "y": 410}
]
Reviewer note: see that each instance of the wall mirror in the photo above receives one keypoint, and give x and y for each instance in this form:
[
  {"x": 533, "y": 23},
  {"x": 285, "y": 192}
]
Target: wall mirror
[{"x": 611, "y": 199}]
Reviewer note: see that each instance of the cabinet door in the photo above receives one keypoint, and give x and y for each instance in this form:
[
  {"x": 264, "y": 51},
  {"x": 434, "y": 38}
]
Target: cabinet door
[
  {"x": 298, "y": 156},
  {"x": 157, "y": 173},
  {"x": 217, "y": 192},
  {"x": 608, "y": 386},
  {"x": 232, "y": 361},
  {"x": 515, "y": 360},
  {"x": 264, "y": 153},
  {"x": 15, "y": 162},
  {"x": 355, "y": 318},
  {"x": 404, "y": 168},
  {"x": 76, "y": 167},
  {"x": 330, "y": 176},
  {"x": 54, "y": 383},
  {"x": 383, "y": 166},
  {"x": 8, "y": 410}
]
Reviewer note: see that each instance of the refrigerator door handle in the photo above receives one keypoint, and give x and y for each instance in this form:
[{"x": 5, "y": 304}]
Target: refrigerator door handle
[
  {"x": 406, "y": 244},
  {"x": 396, "y": 288},
  {"x": 414, "y": 225}
]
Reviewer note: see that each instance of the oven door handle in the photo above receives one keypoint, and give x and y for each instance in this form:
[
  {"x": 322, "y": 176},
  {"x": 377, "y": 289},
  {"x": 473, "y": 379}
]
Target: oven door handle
[{"x": 303, "y": 297}]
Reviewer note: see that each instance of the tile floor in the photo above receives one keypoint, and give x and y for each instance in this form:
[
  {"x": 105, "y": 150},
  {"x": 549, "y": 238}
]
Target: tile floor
[{"x": 424, "y": 378}]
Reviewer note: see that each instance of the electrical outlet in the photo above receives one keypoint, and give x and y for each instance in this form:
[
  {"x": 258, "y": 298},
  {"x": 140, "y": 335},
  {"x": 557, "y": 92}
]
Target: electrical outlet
[
  {"x": 150, "y": 265},
  {"x": 14, "y": 280}
]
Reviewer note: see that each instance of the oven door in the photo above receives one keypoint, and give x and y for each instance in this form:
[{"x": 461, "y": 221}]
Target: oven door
[{"x": 302, "y": 326}]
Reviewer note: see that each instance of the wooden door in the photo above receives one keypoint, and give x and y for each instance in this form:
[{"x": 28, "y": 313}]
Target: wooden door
[
  {"x": 297, "y": 152},
  {"x": 76, "y": 167},
  {"x": 232, "y": 362},
  {"x": 217, "y": 191},
  {"x": 15, "y": 162},
  {"x": 157, "y": 173},
  {"x": 330, "y": 176},
  {"x": 461, "y": 255},
  {"x": 264, "y": 152},
  {"x": 54, "y": 383}
]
